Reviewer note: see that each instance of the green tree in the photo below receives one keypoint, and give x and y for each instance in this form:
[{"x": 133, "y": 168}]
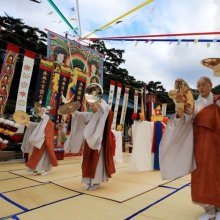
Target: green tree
[
  {"x": 216, "y": 89},
  {"x": 13, "y": 30}
]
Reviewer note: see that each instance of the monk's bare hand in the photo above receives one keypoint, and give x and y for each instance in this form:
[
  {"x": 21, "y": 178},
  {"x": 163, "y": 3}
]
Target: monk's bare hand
[
  {"x": 189, "y": 109},
  {"x": 179, "y": 112}
]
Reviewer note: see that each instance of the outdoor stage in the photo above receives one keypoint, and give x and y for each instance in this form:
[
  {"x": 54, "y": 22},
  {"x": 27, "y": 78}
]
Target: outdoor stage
[{"x": 60, "y": 195}]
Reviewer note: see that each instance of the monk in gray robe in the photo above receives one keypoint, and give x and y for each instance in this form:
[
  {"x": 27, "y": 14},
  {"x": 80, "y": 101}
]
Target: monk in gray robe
[
  {"x": 196, "y": 137},
  {"x": 92, "y": 130}
]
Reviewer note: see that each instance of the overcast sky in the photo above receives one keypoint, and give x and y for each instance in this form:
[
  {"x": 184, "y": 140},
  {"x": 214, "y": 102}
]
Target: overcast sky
[{"x": 159, "y": 61}]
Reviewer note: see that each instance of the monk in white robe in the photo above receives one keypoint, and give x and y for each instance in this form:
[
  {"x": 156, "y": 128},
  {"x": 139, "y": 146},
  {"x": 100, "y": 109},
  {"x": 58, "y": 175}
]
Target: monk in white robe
[
  {"x": 196, "y": 137},
  {"x": 42, "y": 141},
  {"x": 92, "y": 130}
]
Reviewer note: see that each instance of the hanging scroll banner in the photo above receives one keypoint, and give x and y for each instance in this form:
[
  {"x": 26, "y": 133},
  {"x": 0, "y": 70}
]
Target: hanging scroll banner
[
  {"x": 7, "y": 74},
  {"x": 25, "y": 80},
  {"x": 43, "y": 83},
  {"x": 116, "y": 105},
  {"x": 60, "y": 80},
  {"x": 63, "y": 84},
  {"x": 111, "y": 93},
  {"x": 124, "y": 106},
  {"x": 150, "y": 100},
  {"x": 135, "y": 101},
  {"x": 86, "y": 64}
]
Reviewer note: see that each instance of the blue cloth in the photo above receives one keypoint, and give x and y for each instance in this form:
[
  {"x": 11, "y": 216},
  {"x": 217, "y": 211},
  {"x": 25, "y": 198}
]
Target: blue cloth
[{"x": 158, "y": 136}]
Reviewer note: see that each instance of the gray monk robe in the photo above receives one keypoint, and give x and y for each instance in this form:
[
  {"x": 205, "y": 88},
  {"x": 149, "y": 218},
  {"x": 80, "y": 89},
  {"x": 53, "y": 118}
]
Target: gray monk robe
[
  {"x": 176, "y": 148},
  {"x": 94, "y": 128}
]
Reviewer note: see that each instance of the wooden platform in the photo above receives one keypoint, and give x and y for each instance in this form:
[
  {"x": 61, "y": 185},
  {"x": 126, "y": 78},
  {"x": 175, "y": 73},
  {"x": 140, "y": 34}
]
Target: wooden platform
[{"x": 61, "y": 195}]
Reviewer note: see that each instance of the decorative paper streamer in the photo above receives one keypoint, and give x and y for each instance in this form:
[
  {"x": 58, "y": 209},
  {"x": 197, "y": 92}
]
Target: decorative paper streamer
[
  {"x": 78, "y": 16},
  {"x": 135, "y": 101},
  {"x": 116, "y": 105},
  {"x": 111, "y": 93},
  {"x": 7, "y": 74},
  {"x": 120, "y": 17},
  {"x": 124, "y": 106},
  {"x": 26, "y": 74}
]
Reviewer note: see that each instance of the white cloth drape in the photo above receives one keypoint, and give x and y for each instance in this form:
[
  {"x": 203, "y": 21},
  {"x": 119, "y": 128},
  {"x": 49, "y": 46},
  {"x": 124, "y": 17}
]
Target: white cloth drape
[
  {"x": 142, "y": 157},
  {"x": 118, "y": 149}
]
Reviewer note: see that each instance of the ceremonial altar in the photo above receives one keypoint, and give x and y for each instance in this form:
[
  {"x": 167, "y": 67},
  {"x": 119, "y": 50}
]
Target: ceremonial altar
[{"x": 146, "y": 137}]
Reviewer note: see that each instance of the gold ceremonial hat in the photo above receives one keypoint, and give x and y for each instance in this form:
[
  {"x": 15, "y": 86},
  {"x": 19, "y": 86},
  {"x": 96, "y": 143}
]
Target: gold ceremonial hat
[
  {"x": 69, "y": 108},
  {"x": 21, "y": 118},
  {"x": 213, "y": 63}
]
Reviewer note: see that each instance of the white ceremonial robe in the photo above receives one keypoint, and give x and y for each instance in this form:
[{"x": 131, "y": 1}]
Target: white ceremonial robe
[
  {"x": 176, "y": 151},
  {"x": 37, "y": 139},
  {"x": 89, "y": 126},
  {"x": 25, "y": 146}
]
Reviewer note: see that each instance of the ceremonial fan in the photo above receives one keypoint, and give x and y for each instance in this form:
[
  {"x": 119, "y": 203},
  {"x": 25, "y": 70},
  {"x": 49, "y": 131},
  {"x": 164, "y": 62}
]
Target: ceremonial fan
[{"x": 213, "y": 63}]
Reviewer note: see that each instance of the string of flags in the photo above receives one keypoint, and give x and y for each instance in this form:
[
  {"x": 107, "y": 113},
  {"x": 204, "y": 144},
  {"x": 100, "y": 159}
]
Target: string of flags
[{"x": 160, "y": 38}]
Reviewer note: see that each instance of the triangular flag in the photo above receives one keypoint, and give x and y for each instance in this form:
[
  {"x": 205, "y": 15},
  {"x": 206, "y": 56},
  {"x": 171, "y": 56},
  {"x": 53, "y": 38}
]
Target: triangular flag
[
  {"x": 73, "y": 19},
  {"x": 117, "y": 22},
  {"x": 178, "y": 42},
  {"x": 196, "y": 41}
]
